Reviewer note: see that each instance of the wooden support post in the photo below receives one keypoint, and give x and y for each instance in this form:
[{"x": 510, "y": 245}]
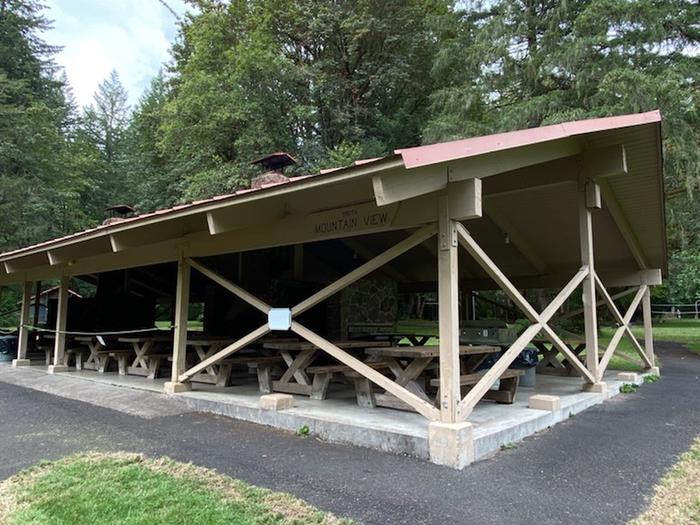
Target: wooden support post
[
  {"x": 59, "y": 349},
  {"x": 37, "y": 303},
  {"x": 648, "y": 331},
  {"x": 23, "y": 339},
  {"x": 298, "y": 262},
  {"x": 182, "y": 302},
  {"x": 589, "y": 301},
  {"x": 448, "y": 297}
]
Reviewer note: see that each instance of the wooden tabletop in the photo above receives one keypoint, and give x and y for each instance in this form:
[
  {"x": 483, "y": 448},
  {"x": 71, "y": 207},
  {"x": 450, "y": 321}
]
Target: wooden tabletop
[
  {"x": 305, "y": 345},
  {"x": 210, "y": 342},
  {"x": 158, "y": 339},
  {"x": 429, "y": 351}
]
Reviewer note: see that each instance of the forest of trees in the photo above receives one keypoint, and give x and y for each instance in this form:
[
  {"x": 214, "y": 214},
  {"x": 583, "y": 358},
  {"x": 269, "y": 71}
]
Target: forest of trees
[{"x": 333, "y": 81}]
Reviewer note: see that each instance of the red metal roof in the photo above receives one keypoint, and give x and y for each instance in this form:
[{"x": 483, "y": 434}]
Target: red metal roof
[
  {"x": 412, "y": 158},
  {"x": 459, "y": 149}
]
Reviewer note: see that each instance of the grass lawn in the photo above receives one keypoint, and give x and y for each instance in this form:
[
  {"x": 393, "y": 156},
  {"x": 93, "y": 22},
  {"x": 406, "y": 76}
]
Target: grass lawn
[
  {"x": 131, "y": 489},
  {"x": 676, "y": 499},
  {"x": 684, "y": 331}
]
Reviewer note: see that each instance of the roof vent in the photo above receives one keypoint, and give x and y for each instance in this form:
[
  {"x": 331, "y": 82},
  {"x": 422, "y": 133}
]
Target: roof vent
[{"x": 273, "y": 164}]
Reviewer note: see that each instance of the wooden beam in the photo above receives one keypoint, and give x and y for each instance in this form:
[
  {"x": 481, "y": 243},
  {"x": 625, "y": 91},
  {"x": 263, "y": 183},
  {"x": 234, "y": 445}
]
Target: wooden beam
[
  {"x": 465, "y": 199},
  {"x": 59, "y": 351},
  {"x": 421, "y": 406},
  {"x": 648, "y": 329},
  {"x": 231, "y": 287},
  {"x": 182, "y": 303},
  {"x": 623, "y": 327},
  {"x": 590, "y": 318},
  {"x": 466, "y": 240},
  {"x": 400, "y": 185},
  {"x": 625, "y": 320},
  {"x": 618, "y": 215},
  {"x": 298, "y": 262},
  {"x": 604, "y": 162},
  {"x": 492, "y": 374},
  {"x": 448, "y": 304},
  {"x": 23, "y": 338},
  {"x": 21, "y": 264},
  {"x": 600, "y": 302},
  {"x": 37, "y": 302},
  {"x": 225, "y": 352},
  {"x": 71, "y": 253},
  {"x": 513, "y": 159},
  {"x": 358, "y": 273}
]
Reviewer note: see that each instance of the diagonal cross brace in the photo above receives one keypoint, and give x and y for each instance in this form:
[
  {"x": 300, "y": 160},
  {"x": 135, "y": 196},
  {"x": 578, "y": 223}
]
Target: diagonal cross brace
[
  {"x": 490, "y": 267},
  {"x": 623, "y": 322},
  {"x": 418, "y": 237}
]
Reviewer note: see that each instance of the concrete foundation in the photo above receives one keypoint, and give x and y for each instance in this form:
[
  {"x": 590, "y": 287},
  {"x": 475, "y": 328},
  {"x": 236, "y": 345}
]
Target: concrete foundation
[
  {"x": 654, "y": 370},
  {"x": 55, "y": 369},
  {"x": 451, "y": 444},
  {"x": 21, "y": 362},
  {"x": 544, "y": 402},
  {"x": 337, "y": 419},
  {"x": 276, "y": 401},
  {"x": 628, "y": 377}
]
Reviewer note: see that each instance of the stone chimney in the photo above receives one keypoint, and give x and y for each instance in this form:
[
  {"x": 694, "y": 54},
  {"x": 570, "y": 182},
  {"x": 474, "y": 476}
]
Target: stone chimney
[
  {"x": 117, "y": 213},
  {"x": 273, "y": 164}
]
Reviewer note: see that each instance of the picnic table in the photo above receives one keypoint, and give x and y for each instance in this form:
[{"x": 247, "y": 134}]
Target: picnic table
[
  {"x": 295, "y": 379},
  {"x": 408, "y": 363},
  {"x": 148, "y": 352},
  {"x": 97, "y": 358},
  {"x": 550, "y": 365},
  {"x": 413, "y": 338}
]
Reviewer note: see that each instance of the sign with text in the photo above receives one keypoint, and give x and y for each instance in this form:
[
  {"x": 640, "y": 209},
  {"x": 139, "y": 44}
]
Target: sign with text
[{"x": 351, "y": 219}]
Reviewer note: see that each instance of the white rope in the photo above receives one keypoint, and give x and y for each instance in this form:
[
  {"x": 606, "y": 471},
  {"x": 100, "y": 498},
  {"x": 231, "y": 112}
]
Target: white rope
[{"x": 97, "y": 334}]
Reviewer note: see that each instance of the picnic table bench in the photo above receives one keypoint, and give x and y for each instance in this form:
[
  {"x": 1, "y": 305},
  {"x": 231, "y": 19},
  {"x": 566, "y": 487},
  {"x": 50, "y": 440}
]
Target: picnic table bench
[
  {"x": 363, "y": 386},
  {"x": 507, "y": 384},
  {"x": 408, "y": 363},
  {"x": 145, "y": 356},
  {"x": 295, "y": 379}
]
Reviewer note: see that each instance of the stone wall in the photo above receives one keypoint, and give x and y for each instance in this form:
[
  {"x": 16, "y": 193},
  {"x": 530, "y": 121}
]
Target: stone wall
[{"x": 372, "y": 300}]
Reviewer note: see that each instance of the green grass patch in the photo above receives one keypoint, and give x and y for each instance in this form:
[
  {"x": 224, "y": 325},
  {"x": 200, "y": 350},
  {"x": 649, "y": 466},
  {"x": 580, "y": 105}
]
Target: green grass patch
[
  {"x": 628, "y": 388},
  {"x": 676, "y": 499},
  {"x": 651, "y": 378},
  {"x": 130, "y": 489}
]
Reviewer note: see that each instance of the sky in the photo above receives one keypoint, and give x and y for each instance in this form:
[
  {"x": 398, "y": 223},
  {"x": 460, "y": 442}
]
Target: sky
[{"x": 131, "y": 36}]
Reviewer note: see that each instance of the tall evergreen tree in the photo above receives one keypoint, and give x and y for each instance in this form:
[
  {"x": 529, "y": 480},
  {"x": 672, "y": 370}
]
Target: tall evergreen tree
[
  {"x": 32, "y": 112},
  {"x": 103, "y": 127}
]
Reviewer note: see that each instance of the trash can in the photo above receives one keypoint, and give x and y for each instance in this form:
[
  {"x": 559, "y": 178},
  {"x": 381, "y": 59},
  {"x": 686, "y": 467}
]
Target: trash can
[
  {"x": 527, "y": 361},
  {"x": 8, "y": 347}
]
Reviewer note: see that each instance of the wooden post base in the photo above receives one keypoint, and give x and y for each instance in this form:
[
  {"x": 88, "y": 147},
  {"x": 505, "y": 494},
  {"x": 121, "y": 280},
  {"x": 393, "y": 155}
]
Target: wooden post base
[
  {"x": 654, "y": 370},
  {"x": 55, "y": 369},
  {"x": 175, "y": 388},
  {"x": 598, "y": 388}
]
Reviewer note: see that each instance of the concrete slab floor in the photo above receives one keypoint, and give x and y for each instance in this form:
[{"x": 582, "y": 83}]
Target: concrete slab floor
[{"x": 337, "y": 419}]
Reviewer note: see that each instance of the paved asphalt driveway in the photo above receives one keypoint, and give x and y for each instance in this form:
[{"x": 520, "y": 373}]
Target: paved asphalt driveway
[{"x": 597, "y": 467}]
